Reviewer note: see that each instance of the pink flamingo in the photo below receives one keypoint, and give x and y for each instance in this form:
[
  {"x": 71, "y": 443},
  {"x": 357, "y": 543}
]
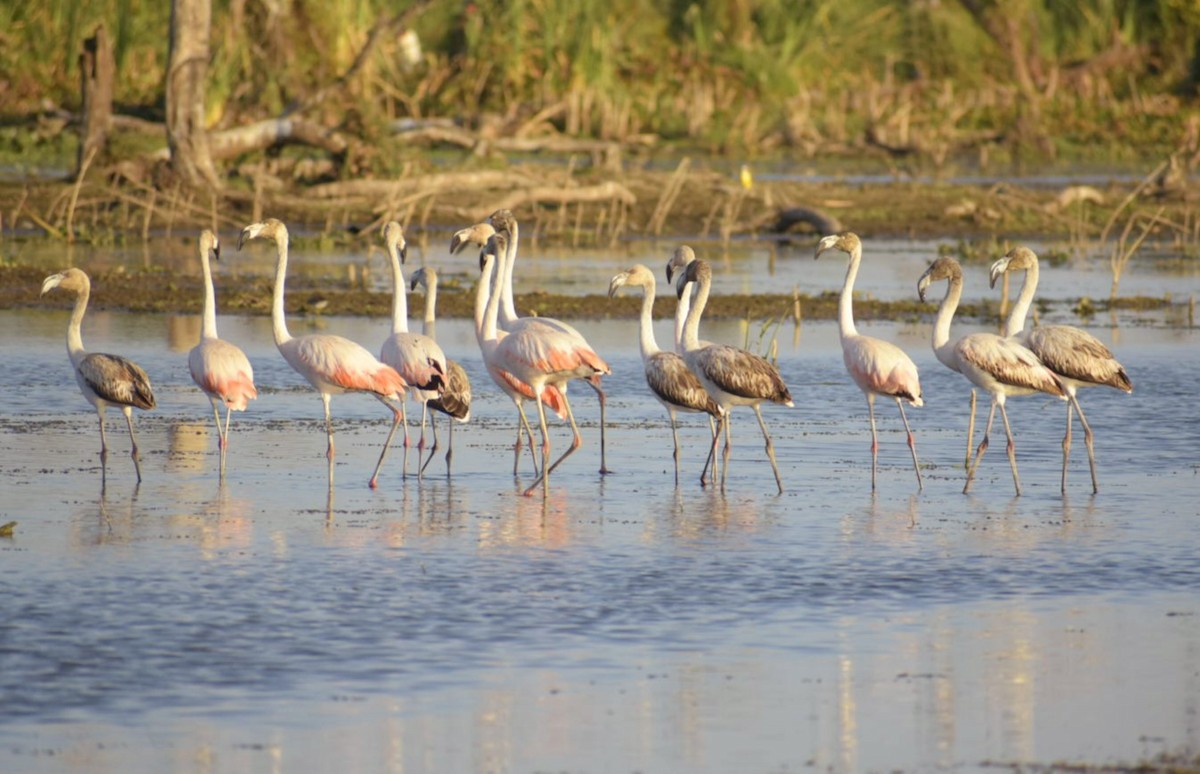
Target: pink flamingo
[
  {"x": 878, "y": 367},
  {"x": 219, "y": 368},
  {"x": 732, "y": 376},
  {"x": 999, "y": 366},
  {"x": 667, "y": 375},
  {"x": 1078, "y": 357},
  {"x": 517, "y": 391},
  {"x": 565, "y": 335},
  {"x": 103, "y": 379},
  {"x": 455, "y": 399},
  {"x": 331, "y": 364},
  {"x": 539, "y": 356},
  {"x": 416, "y": 357}
]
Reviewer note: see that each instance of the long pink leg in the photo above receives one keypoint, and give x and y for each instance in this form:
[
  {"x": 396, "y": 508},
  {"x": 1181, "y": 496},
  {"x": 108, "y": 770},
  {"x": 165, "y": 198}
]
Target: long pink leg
[
  {"x": 1087, "y": 439},
  {"x": 1012, "y": 449},
  {"x": 912, "y": 445},
  {"x": 137, "y": 464},
  {"x": 874, "y": 437},
  {"x": 770, "y": 447},
  {"x": 543, "y": 479},
  {"x": 982, "y": 448}
]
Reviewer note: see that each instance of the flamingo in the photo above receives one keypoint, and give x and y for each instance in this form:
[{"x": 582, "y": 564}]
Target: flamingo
[
  {"x": 997, "y": 365},
  {"x": 732, "y": 376},
  {"x": 566, "y": 335},
  {"x": 517, "y": 390},
  {"x": 416, "y": 357},
  {"x": 667, "y": 375},
  {"x": 331, "y": 364},
  {"x": 455, "y": 399},
  {"x": 878, "y": 367},
  {"x": 103, "y": 379},
  {"x": 539, "y": 356},
  {"x": 218, "y": 367},
  {"x": 1078, "y": 357}
]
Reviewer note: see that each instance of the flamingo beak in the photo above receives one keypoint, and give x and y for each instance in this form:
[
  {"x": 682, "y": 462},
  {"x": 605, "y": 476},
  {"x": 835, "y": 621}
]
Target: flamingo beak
[
  {"x": 217, "y": 251},
  {"x": 248, "y": 233},
  {"x": 923, "y": 285},
  {"x": 403, "y": 252},
  {"x": 827, "y": 243},
  {"x": 617, "y": 282},
  {"x": 51, "y": 282},
  {"x": 998, "y": 268}
]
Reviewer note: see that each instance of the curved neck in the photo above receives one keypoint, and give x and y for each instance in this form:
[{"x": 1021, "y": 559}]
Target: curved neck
[
  {"x": 691, "y": 328},
  {"x": 74, "y": 337},
  {"x": 278, "y": 322},
  {"x": 681, "y": 312},
  {"x": 1016, "y": 318},
  {"x": 210, "y": 299},
  {"x": 846, "y": 301},
  {"x": 646, "y": 324},
  {"x": 508, "y": 312},
  {"x": 399, "y": 293},
  {"x": 485, "y": 305},
  {"x": 945, "y": 315},
  {"x": 430, "y": 322}
]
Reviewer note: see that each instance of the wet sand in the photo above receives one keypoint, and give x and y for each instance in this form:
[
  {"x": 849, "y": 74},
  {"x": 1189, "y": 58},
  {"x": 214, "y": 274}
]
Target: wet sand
[{"x": 619, "y": 624}]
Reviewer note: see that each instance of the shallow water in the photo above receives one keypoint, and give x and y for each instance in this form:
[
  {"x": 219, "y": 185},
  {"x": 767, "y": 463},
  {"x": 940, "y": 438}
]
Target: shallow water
[{"x": 619, "y": 624}]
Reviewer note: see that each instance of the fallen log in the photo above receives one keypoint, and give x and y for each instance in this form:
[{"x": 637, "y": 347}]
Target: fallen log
[
  {"x": 603, "y": 192},
  {"x": 424, "y": 184}
]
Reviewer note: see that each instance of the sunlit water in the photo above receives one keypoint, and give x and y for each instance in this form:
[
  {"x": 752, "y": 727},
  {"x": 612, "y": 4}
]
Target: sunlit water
[{"x": 621, "y": 623}]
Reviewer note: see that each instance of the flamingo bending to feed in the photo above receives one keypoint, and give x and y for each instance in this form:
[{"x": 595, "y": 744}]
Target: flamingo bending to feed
[
  {"x": 539, "y": 356},
  {"x": 732, "y": 376},
  {"x": 997, "y": 365},
  {"x": 218, "y": 367},
  {"x": 878, "y": 367},
  {"x": 1078, "y": 357},
  {"x": 503, "y": 221},
  {"x": 103, "y": 379},
  {"x": 455, "y": 398},
  {"x": 416, "y": 357},
  {"x": 331, "y": 364},
  {"x": 667, "y": 375}
]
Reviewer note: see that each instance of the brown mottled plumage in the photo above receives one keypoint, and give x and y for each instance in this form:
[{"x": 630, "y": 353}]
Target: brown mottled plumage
[
  {"x": 1078, "y": 357},
  {"x": 732, "y": 376},
  {"x": 103, "y": 379},
  {"x": 667, "y": 375}
]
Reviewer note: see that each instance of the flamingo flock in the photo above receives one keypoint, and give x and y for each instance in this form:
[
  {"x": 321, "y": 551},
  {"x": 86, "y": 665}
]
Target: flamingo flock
[{"x": 533, "y": 360}]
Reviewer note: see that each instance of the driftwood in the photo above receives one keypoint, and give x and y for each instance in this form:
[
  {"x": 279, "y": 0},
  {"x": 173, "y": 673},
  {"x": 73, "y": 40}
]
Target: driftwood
[
  {"x": 604, "y": 192},
  {"x": 96, "y": 73},
  {"x": 234, "y": 142},
  {"x": 441, "y": 132},
  {"x": 422, "y": 184}
]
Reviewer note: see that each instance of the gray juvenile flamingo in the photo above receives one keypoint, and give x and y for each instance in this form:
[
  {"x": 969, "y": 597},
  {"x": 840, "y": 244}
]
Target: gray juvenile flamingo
[
  {"x": 667, "y": 375},
  {"x": 455, "y": 399},
  {"x": 331, "y": 364},
  {"x": 995, "y": 364},
  {"x": 103, "y": 379},
  {"x": 732, "y": 376},
  {"x": 1078, "y": 357},
  {"x": 878, "y": 367},
  {"x": 220, "y": 369}
]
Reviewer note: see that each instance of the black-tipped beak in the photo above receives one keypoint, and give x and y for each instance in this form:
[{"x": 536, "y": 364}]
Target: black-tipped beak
[{"x": 404, "y": 254}]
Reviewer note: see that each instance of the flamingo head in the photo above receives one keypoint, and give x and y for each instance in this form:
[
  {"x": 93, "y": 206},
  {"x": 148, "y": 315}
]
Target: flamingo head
[
  {"x": 848, "y": 242},
  {"x": 503, "y": 220},
  {"x": 495, "y": 247},
  {"x": 393, "y": 238},
  {"x": 270, "y": 228},
  {"x": 1017, "y": 259},
  {"x": 682, "y": 256},
  {"x": 477, "y": 235},
  {"x": 944, "y": 268},
  {"x": 697, "y": 271},
  {"x": 635, "y": 276},
  {"x": 209, "y": 244},
  {"x": 426, "y": 277},
  {"x": 71, "y": 279}
]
